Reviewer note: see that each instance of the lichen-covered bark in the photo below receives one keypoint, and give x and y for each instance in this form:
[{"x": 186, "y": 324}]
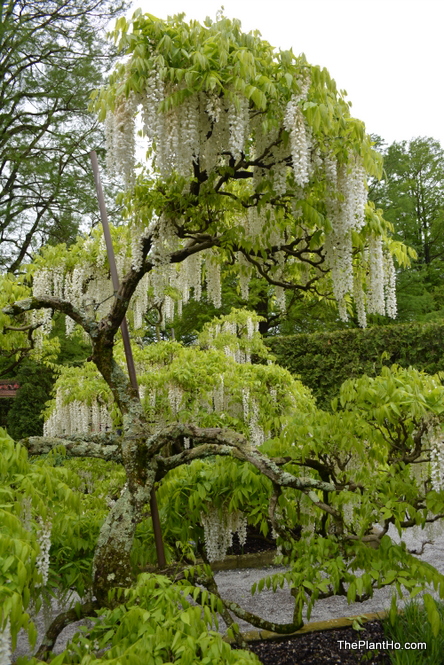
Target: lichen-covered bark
[
  {"x": 111, "y": 564},
  {"x": 78, "y": 447},
  {"x": 220, "y": 441}
]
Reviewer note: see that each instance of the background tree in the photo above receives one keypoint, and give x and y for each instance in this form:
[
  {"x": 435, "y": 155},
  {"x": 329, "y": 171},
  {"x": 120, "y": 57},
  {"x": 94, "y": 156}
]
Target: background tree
[
  {"x": 411, "y": 193},
  {"x": 53, "y": 53},
  {"x": 253, "y": 162}
]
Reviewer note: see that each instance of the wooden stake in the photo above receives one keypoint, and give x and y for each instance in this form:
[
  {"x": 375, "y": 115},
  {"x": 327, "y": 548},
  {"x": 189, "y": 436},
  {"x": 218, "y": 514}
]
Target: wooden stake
[{"x": 126, "y": 344}]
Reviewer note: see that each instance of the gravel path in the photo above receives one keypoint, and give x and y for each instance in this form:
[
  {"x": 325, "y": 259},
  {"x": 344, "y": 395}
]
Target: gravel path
[{"x": 278, "y": 607}]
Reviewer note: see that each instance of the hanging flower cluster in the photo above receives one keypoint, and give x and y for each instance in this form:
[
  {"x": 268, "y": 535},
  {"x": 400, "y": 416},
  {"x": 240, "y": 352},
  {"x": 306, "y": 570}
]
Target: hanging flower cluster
[
  {"x": 164, "y": 240},
  {"x": 381, "y": 281},
  {"x": 345, "y": 204},
  {"x": 238, "y": 122},
  {"x": 236, "y": 335},
  {"x": 70, "y": 416},
  {"x": 44, "y": 541},
  {"x": 251, "y": 416},
  {"x": 199, "y": 128},
  {"x": 390, "y": 285},
  {"x": 81, "y": 275},
  {"x": 120, "y": 139},
  {"x": 213, "y": 279},
  {"x": 206, "y": 384},
  {"x": 85, "y": 286},
  {"x": 219, "y": 527},
  {"x": 176, "y": 133},
  {"x": 300, "y": 140},
  {"x": 175, "y": 397},
  {"x": 435, "y": 439},
  {"x": 183, "y": 279},
  {"x": 278, "y": 137}
]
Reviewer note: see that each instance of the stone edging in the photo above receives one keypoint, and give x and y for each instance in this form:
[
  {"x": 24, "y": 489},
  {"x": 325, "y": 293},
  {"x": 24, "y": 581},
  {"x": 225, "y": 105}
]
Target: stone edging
[
  {"x": 314, "y": 627},
  {"x": 230, "y": 562},
  {"x": 236, "y": 561}
]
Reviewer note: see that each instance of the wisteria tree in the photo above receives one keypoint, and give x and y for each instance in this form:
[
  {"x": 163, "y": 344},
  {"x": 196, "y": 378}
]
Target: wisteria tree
[{"x": 253, "y": 161}]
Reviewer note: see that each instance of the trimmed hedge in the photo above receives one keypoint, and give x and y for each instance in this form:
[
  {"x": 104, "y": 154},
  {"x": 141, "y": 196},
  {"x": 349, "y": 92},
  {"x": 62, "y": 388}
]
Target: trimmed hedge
[
  {"x": 25, "y": 415},
  {"x": 324, "y": 360}
]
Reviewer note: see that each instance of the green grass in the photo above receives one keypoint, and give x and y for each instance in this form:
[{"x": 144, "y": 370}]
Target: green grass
[{"x": 413, "y": 626}]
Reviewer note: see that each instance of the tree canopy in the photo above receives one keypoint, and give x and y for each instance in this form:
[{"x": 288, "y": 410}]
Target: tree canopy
[{"x": 253, "y": 157}]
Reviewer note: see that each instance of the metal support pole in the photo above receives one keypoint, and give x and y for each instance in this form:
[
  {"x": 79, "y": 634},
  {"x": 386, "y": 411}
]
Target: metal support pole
[{"x": 126, "y": 344}]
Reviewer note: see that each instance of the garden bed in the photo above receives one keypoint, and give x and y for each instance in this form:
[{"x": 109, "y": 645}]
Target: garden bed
[{"x": 323, "y": 647}]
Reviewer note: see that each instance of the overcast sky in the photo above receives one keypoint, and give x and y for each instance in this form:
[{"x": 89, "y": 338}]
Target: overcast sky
[{"x": 387, "y": 54}]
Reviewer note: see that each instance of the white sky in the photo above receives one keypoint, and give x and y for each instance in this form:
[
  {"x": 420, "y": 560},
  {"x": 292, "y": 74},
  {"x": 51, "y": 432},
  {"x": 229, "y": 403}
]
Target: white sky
[{"x": 387, "y": 54}]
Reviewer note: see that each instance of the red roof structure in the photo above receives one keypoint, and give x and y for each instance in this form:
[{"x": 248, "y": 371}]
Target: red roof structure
[{"x": 8, "y": 388}]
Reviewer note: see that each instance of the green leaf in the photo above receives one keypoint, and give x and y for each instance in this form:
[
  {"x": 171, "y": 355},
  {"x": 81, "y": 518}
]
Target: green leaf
[
  {"x": 432, "y": 613},
  {"x": 184, "y": 616},
  {"x": 351, "y": 592}
]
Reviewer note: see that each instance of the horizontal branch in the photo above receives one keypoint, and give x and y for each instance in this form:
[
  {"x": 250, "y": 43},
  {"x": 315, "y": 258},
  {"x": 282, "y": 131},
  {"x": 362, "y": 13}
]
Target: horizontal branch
[
  {"x": 31, "y": 326},
  {"x": 75, "y": 446},
  {"x": 49, "y": 302},
  {"x": 219, "y": 441}
]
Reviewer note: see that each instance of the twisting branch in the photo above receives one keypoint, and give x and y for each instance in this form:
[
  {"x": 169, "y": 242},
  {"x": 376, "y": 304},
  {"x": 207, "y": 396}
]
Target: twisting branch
[
  {"x": 209, "y": 583},
  {"x": 129, "y": 282},
  {"x": 219, "y": 441},
  {"x": 45, "y": 302},
  {"x": 89, "y": 609},
  {"x": 206, "y": 579},
  {"x": 280, "y": 628}
]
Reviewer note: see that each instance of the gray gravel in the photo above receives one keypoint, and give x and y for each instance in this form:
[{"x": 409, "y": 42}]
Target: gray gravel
[{"x": 274, "y": 606}]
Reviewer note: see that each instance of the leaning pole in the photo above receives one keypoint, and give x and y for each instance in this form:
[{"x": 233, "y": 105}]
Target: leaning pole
[{"x": 126, "y": 344}]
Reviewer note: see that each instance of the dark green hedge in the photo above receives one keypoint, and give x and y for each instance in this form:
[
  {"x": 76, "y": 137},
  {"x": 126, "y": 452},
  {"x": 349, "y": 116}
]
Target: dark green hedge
[
  {"x": 324, "y": 360},
  {"x": 25, "y": 415}
]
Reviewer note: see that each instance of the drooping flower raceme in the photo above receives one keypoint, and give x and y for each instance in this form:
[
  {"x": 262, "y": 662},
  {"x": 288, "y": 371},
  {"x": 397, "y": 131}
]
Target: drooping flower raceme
[
  {"x": 219, "y": 527},
  {"x": 295, "y": 124},
  {"x": 72, "y": 416},
  {"x": 44, "y": 540},
  {"x": 435, "y": 438}
]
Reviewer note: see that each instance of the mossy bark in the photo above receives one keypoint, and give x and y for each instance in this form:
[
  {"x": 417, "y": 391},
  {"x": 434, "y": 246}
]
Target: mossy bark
[{"x": 111, "y": 564}]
